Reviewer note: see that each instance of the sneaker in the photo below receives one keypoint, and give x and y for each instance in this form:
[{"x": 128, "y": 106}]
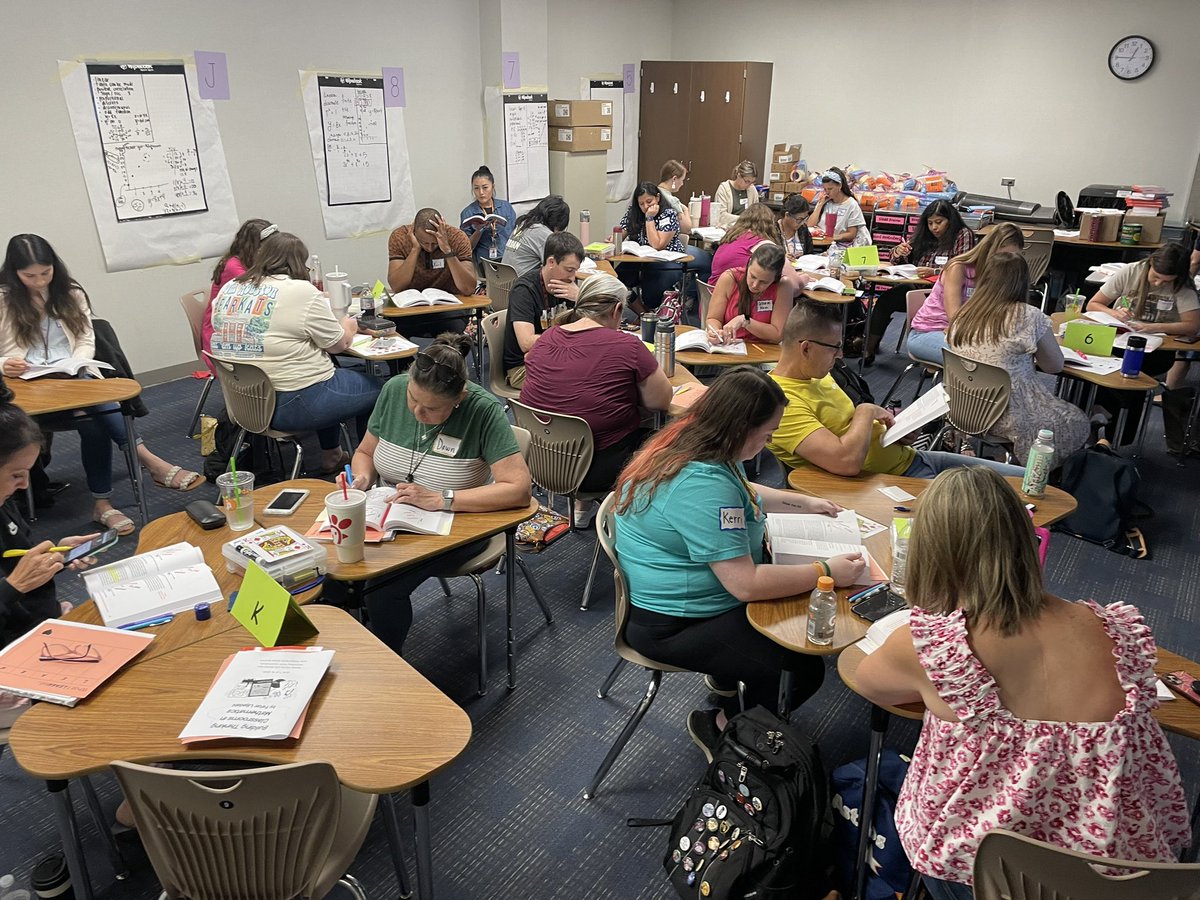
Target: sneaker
[
  {"x": 583, "y": 517},
  {"x": 702, "y": 726},
  {"x": 715, "y": 687}
]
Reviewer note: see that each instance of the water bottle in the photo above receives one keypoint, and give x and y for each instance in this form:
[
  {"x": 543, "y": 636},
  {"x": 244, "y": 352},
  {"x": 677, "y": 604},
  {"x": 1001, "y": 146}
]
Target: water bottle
[
  {"x": 585, "y": 226},
  {"x": 822, "y": 612},
  {"x": 901, "y": 528},
  {"x": 1131, "y": 362},
  {"x": 1037, "y": 468},
  {"x": 366, "y": 304},
  {"x": 8, "y": 892},
  {"x": 664, "y": 346},
  {"x": 314, "y": 272}
]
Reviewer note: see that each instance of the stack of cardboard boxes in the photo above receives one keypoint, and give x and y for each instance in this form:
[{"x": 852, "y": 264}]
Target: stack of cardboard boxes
[
  {"x": 578, "y": 126},
  {"x": 785, "y": 160}
]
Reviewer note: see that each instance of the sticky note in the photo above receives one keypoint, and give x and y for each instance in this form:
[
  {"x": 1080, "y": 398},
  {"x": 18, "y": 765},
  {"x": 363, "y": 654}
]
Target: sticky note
[
  {"x": 268, "y": 611},
  {"x": 213, "y": 74},
  {"x": 628, "y": 78},
  {"x": 510, "y": 63},
  {"x": 1089, "y": 338},
  {"x": 393, "y": 86}
]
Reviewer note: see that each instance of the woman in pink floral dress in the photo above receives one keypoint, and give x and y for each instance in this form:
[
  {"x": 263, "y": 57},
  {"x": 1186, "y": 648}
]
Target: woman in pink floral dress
[{"x": 1038, "y": 710}]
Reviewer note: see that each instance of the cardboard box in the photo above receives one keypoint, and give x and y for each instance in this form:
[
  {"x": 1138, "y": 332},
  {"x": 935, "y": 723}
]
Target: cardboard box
[
  {"x": 792, "y": 187},
  {"x": 1152, "y": 226},
  {"x": 581, "y": 138},
  {"x": 1107, "y": 229},
  {"x": 776, "y": 177},
  {"x": 786, "y": 153},
  {"x": 580, "y": 112},
  {"x": 783, "y": 168},
  {"x": 777, "y": 196}
]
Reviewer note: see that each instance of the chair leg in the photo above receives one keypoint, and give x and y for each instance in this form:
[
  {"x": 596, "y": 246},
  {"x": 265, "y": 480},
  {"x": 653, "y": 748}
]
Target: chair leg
[
  {"x": 346, "y": 437},
  {"x": 120, "y": 867},
  {"x": 299, "y": 459},
  {"x": 587, "y": 588},
  {"x": 896, "y": 384},
  {"x": 626, "y": 733},
  {"x": 191, "y": 432},
  {"x": 350, "y": 883},
  {"x": 622, "y": 662},
  {"x": 481, "y": 630},
  {"x": 533, "y": 587},
  {"x": 445, "y": 586}
]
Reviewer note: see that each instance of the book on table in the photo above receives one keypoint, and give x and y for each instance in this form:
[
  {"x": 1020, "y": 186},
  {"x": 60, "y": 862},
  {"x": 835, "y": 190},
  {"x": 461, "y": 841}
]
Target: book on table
[
  {"x": 63, "y": 662},
  {"x": 385, "y": 519},
  {"x": 700, "y": 340},
  {"x": 70, "y": 367},
  {"x": 832, "y": 285},
  {"x": 368, "y": 345},
  {"x": 799, "y": 539},
  {"x": 152, "y": 585},
  {"x": 428, "y": 297},
  {"x": 881, "y": 630},
  {"x": 477, "y": 220},
  {"x": 633, "y": 248},
  {"x": 1101, "y": 365},
  {"x": 259, "y": 694},
  {"x": 933, "y": 404}
]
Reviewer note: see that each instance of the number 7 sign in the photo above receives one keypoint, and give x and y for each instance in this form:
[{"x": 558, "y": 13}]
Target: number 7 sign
[{"x": 511, "y": 69}]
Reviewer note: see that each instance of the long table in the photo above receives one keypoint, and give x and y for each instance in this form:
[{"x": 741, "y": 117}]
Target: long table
[{"x": 476, "y": 304}]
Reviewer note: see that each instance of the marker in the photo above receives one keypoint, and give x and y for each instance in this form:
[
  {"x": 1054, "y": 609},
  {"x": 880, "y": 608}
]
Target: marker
[
  {"x": 147, "y": 623},
  {"x": 901, "y": 509},
  {"x": 9, "y": 554}
]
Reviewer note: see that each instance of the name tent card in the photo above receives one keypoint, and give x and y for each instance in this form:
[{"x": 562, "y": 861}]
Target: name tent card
[
  {"x": 269, "y": 612},
  {"x": 1094, "y": 340}
]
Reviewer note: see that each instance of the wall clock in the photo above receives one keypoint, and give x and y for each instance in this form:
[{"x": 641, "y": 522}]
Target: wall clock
[{"x": 1131, "y": 57}]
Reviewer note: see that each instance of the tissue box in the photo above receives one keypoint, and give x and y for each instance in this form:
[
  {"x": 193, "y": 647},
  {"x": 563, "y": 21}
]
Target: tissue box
[{"x": 580, "y": 112}]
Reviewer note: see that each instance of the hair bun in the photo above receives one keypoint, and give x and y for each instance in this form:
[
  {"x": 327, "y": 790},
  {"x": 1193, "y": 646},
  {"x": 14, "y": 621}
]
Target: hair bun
[{"x": 459, "y": 342}]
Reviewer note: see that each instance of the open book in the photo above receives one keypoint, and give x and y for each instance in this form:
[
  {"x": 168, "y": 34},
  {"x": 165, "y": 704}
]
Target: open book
[
  {"x": 881, "y": 630},
  {"x": 799, "y": 539},
  {"x": 633, "y": 248},
  {"x": 476, "y": 220},
  {"x": 63, "y": 366},
  {"x": 1101, "y": 365},
  {"x": 811, "y": 263},
  {"x": 1105, "y": 319},
  {"x": 427, "y": 297},
  {"x": 699, "y": 340},
  {"x": 368, "y": 345},
  {"x": 899, "y": 271},
  {"x": 260, "y": 694},
  {"x": 385, "y": 519},
  {"x": 833, "y": 285},
  {"x": 151, "y": 585},
  {"x": 933, "y": 404},
  {"x": 708, "y": 232}
]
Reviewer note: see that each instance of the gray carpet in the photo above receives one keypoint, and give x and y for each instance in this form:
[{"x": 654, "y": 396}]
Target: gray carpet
[{"x": 509, "y": 819}]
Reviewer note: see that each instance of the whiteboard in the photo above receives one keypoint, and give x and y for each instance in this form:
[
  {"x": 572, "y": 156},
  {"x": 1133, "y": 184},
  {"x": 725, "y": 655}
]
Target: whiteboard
[
  {"x": 526, "y": 147},
  {"x": 613, "y": 89},
  {"x": 354, "y": 135},
  {"x": 147, "y": 139}
]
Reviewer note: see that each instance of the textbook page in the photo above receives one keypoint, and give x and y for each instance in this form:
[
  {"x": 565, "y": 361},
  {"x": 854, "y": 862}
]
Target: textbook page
[
  {"x": 933, "y": 404},
  {"x": 162, "y": 560},
  {"x": 161, "y": 594},
  {"x": 879, "y": 631},
  {"x": 66, "y": 366}
]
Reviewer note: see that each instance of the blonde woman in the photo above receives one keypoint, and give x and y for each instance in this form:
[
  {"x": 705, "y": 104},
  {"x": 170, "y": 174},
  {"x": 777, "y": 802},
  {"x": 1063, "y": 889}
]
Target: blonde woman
[
  {"x": 737, "y": 194},
  {"x": 928, "y": 334},
  {"x": 1038, "y": 711},
  {"x": 670, "y": 182}
]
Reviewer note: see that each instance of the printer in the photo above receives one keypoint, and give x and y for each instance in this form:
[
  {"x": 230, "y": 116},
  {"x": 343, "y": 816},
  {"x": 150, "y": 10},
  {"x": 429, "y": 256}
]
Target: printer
[{"x": 1007, "y": 210}]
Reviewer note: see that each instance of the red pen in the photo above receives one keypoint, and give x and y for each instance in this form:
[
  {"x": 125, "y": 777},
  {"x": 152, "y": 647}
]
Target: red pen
[{"x": 387, "y": 509}]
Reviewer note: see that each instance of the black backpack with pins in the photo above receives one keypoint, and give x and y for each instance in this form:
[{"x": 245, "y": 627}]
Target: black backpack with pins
[{"x": 757, "y": 825}]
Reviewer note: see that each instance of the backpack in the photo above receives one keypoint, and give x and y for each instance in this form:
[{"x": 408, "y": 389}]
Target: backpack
[
  {"x": 253, "y": 456},
  {"x": 852, "y": 383},
  {"x": 890, "y": 871},
  {"x": 1105, "y": 487},
  {"x": 757, "y": 823}
]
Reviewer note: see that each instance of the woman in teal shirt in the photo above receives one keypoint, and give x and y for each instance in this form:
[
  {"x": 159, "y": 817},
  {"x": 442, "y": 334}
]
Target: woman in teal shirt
[{"x": 690, "y": 527}]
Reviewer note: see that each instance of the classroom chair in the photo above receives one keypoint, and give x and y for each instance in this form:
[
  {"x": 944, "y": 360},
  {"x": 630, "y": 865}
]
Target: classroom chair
[
  {"x": 483, "y": 561},
  {"x": 1039, "y": 244},
  {"x": 499, "y": 279},
  {"x": 194, "y": 304},
  {"x": 977, "y": 394},
  {"x": 1011, "y": 866},
  {"x": 705, "y": 296},
  {"x": 250, "y": 405},
  {"x": 560, "y": 454},
  {"x": 493, "y": 333},
  {"x": 273, "y": 832},
  {"x": 606, "y": 538},
  {"x": 914, "y": 300}
]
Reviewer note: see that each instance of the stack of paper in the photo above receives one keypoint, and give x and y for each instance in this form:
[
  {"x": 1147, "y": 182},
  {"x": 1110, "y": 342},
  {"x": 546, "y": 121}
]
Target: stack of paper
[{"x": 881, "y": 630}]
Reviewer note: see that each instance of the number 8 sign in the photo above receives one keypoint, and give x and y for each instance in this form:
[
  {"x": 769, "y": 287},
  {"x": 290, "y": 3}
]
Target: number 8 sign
[{"x": 393, "y": 86}]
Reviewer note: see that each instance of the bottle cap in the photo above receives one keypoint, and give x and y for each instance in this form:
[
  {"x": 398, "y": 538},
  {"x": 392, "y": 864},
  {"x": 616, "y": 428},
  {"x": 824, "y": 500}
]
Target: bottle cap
[
  {"x": 824, "y": 583},
  {"x": 203, "y": 612},
  {"x": 1045, "y": 434}
]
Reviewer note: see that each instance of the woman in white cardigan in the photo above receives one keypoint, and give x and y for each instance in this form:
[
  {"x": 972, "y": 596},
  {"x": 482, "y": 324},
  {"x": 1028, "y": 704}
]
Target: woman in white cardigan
[{"x": 737, "y": 194}]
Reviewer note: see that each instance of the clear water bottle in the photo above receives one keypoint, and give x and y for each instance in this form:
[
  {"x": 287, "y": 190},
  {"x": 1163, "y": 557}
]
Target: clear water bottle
[
  {"x": 901, "y": 529},
  {"x": 9, "y": 892},
  {"x": 822, "y": 612},
  {"x": 1037, "y": 467},
  {"x": 314, "y": 272},
  {"x": 664, "y": 346}
]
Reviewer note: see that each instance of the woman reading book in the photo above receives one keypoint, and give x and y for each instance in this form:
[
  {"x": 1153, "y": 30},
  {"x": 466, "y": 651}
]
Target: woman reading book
[
  {"x": 687, "y": 515},
  {"x": 487, "y": 220},
  {"x": 443, "y": 443},
  {"x": 751, "y": 303},
  {"x": 46, "y": 319},
  {"x": 652, "y": 222}
]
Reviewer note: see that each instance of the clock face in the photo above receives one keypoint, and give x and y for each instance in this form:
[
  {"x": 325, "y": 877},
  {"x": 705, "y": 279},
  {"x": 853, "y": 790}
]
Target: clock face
[{"x": 1131, "y": 57}]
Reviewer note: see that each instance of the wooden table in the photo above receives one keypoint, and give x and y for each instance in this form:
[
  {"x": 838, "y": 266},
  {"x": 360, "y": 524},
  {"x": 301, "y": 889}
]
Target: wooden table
[
  {"x": 43, "y": 396},
  {"x": 1078, "y": 241},
  {"x": 756, "y": 354},
  {"x": 1170, "y": 341},
  {"x": 377, "y": 720},
  {"x": 382, "y": 562},
  {"x": 471, "y": 303},
  {"x": 683, "y": 380}
]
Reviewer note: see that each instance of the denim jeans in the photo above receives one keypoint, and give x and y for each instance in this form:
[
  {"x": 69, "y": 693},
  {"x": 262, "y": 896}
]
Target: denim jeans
[
  {"x": 927, "y": 345},
  {"x": 323, "y": 406},
  {"x": 947, "y": 890},
  {"x": 99, "y": 428},
  {"x": 931, "y": 463}
]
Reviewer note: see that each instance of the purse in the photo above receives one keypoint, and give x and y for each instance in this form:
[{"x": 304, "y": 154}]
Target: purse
[{"x": 541, "y": 529}]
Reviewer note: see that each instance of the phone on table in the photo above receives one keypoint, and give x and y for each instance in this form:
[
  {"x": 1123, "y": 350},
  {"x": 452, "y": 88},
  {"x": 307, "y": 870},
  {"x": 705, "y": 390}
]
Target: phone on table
[
  {"x": 286, "y": 502},
  {"x": 1183, "y": 683},
  {"x": 875, "y": 603},
  {"x": 88, "y": 548}
]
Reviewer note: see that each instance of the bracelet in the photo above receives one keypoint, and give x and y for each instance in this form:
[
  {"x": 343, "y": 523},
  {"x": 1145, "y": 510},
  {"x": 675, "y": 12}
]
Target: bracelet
[{"x": 823, "y": 568}]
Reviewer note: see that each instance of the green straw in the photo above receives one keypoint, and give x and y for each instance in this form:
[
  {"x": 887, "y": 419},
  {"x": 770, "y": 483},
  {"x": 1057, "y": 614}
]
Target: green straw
[{"x": 237, "y": 491}]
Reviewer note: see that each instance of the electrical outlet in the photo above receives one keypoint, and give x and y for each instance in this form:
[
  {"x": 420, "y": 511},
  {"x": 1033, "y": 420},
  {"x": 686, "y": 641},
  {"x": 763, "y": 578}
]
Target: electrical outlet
[{"x": 1007, "y": 182}]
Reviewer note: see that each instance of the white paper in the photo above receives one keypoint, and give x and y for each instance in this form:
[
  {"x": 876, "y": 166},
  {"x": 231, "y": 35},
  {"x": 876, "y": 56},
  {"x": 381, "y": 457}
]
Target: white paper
[
  {"x": 931, "y": 405},
  {"x": 1101, "y": 365},
  {"x": 812, "y": 263},
  {"x": 354, "y": 138},
  {"x": 526, "y": 146},
  {"x": 881, "y": 630},
  {"x": 403, "y": 517},
  {"x": 869, "y": 527},
  {"x": 708, "y": 232},
  {"x": 1161, "y": 691},
  {"x": 899, "y": 494},
  {"x": 833, "y": 285},
  {"x": 648, "y": 252},
  {"x": 1153, "y": 341}
]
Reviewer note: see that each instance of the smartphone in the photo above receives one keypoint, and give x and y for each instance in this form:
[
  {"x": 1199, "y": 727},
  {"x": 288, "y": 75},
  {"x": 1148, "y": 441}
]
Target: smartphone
[
  {"x": 877, "y": 603},
  {"x": 95, "y": 545},
  {"x": 285, "y": 503},
  {"x": 1183, "y": 683}
]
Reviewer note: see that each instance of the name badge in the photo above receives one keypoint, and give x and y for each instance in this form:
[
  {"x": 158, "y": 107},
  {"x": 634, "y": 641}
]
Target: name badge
[
  {"x": 940, "y": 260},
  {"x": 439, "y": 263},
  {"x": 494, "y": 252},
  {"x": 764, "y": 305},
  {"x": 732, "y": 518},
  {"x": 447, "y": 445}
]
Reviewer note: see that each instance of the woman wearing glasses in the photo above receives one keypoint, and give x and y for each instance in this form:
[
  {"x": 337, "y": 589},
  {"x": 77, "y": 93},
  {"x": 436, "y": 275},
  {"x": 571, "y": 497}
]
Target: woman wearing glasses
[
  {"x": 273, "y": 317},
  {"x": 444, "y": 443}
]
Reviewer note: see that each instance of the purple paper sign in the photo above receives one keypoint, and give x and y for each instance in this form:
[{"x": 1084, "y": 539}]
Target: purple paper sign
[
  {"x": 511, "y": 64},
  {"x": 629, "y": 70},
  {"x": 213, "y": 73},
  {"x": 393, "y": 86}
]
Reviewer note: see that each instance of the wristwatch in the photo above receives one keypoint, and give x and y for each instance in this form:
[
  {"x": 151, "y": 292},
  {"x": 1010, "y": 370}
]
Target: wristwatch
[{"x": 447, "y": 500}]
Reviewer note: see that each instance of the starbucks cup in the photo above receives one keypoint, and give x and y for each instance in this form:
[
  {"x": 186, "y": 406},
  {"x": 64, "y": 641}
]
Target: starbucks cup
[{"x": 347, "y": 513}]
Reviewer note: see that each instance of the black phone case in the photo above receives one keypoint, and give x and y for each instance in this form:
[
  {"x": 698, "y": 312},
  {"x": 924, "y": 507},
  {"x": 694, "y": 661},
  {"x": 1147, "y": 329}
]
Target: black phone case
[
  {"x": 205, "y": 514},
  {"x": 877, "y": 605}
]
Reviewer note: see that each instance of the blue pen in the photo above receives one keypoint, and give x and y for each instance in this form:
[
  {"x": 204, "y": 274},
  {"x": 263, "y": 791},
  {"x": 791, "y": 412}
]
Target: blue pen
[
  {"x": 147, "y": 623},
  {"x": 901, "y": 509},
  {"x": 349, "y": 477}
]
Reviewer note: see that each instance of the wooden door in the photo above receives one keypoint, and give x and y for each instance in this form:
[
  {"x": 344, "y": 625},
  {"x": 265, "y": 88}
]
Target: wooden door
[
  {"x": 715, "y": 123},
  {"x": 756, "y": 107},
  {"x": 663, "y": 116}
]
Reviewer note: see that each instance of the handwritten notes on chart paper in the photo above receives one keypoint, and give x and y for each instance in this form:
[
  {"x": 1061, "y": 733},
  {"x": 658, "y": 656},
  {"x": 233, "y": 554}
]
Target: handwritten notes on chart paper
[
  {"x": 526, "y": 147},
  {"x": 354, "y": 128},
  {"x": 148, "y": 139}
]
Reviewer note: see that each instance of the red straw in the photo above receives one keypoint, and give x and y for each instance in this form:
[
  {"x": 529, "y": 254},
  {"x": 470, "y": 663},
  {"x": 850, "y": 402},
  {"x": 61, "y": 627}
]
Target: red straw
[{"x": 345, "y": 490}]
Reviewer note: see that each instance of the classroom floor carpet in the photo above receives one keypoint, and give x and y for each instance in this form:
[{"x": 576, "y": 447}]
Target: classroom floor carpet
[{"x": 509, "y": 818}]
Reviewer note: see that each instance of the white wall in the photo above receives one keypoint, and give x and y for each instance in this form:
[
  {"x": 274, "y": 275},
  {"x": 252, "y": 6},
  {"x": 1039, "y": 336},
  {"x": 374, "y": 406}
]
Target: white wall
[
  {"x": 1014, "y": 88},
  {"x": 262, "y": 127}
]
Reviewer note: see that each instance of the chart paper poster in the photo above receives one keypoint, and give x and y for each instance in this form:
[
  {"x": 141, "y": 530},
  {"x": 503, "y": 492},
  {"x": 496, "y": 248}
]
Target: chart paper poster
[{"x": 526, "y": 147}]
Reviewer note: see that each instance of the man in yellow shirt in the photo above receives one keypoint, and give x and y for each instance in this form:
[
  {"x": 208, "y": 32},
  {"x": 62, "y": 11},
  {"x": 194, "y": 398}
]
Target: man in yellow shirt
[{"x": 822, "y": 427}]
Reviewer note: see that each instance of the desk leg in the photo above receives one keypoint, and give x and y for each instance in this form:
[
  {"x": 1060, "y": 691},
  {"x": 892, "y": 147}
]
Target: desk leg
[
  {"x": 391, "y": 823},
  {"x": 120, "y": 867},
  {"x": 1193, "y": 851},
  {"x": 786, "y": 680},
  {"x": 135, "y": 469},
  {"x": 68, "y": 833},
  {"x": 871, "y": 300},
  {"x": 479, "y": 345},
  {"x": 866, "y": 813},
  {"x": 1147, "y": 402},
  {"x": 420, "y": 801},
  {"x": 510, "y": 589}
]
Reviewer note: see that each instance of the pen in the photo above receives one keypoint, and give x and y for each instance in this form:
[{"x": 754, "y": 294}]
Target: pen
[
  {"x": 901, "y": 509},
  {"x": 148, "y": 623},
  {"x": 9, "y": 554},
  {"x": 683, "y": 387}
]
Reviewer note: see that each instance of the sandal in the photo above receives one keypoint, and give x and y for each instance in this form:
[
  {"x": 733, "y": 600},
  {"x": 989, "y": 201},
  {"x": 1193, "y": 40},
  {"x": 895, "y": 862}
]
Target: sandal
[
  {"x": 114, "y": 518},
  {"x": 180, "y": 479}
]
